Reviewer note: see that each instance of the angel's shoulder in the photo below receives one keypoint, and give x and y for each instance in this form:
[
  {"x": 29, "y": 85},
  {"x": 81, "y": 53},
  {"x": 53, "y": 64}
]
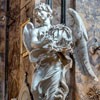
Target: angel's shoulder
[{"x": 29, "y": 25}]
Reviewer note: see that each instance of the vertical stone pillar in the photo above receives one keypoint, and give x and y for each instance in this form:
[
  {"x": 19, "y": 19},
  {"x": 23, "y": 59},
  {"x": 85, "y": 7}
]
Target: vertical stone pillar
[
  {"x": 49, "y": 2},
  {"x": 73, "y": 4},
  {"x": 72, "y": 70},
  {"x": 6, "y": 50},
  {"x": 2, "y": 62},
  {"x": 2, "y": 48},
  {"x": 63, "y": 12}
]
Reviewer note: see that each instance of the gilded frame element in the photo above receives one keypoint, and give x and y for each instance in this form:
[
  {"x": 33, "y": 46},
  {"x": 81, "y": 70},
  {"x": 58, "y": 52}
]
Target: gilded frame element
[{"x": 23, "y": 51}]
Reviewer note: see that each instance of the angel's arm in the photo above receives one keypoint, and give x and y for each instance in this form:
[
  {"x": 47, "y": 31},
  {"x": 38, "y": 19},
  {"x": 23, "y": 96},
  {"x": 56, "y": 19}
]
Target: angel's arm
[
  {"x": 35, "y": 42},
  {"x": 27, "y": 35}
]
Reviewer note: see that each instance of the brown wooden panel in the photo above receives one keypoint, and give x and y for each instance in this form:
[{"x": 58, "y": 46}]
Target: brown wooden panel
[{"x": 24, "y": 3}]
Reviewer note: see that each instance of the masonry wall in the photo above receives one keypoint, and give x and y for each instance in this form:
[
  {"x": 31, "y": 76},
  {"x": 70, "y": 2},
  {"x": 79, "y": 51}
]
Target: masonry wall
[
  {"x": 14, "y": 49},
  {"x": 19, "y": 12},
  {"x": 89, "y": 10}
]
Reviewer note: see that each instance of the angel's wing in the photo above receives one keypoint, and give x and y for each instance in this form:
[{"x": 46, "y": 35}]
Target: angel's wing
[
  {"x": 80, "y": 27},
  {"x": 80, "y": 38},
  {"x": 27, "y": 31}
]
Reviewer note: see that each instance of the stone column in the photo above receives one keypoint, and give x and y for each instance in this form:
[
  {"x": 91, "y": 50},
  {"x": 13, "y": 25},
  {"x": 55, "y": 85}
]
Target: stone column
[
  {"x": 49, "y": 2},
  {"x": 63, "y": 11}
]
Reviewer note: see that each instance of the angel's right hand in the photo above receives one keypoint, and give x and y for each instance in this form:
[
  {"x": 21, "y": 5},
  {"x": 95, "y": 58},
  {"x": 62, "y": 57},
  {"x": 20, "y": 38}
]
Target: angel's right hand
[{"x": 46, "y": 41}]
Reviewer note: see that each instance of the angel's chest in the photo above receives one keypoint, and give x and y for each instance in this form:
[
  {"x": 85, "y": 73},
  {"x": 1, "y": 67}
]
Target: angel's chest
[{"x": 42, "y": 33}]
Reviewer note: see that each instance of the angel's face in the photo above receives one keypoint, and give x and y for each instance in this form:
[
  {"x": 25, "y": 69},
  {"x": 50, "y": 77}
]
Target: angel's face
[{"x": 41, "y": 15}]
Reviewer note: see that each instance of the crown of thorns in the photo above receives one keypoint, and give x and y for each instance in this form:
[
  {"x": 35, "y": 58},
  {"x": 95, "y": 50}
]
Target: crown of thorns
[{"x": 61, "y": 27}]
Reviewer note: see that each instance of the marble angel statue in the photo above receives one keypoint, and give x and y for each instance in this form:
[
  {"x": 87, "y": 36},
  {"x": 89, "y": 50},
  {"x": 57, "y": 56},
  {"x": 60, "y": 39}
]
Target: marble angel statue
[{"x": 49, "y": 47}]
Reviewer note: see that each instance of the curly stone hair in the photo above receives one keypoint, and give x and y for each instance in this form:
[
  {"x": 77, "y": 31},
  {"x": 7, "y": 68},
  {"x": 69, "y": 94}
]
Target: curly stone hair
[{"x": 44, "y": 7}]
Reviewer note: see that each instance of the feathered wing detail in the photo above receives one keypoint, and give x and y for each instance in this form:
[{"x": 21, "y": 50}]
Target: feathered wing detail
[
  {"x": 79, "y": 25},
  {"x": 80, "y": 38},
  {"x": 27, "y": 31}
]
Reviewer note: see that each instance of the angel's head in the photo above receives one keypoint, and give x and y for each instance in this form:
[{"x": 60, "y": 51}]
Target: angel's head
[{"x": 43, "y": 11}]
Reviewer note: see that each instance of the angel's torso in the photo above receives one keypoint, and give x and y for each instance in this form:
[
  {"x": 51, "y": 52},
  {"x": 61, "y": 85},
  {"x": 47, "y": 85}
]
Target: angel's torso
[{"x": 57, "y": 43}]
